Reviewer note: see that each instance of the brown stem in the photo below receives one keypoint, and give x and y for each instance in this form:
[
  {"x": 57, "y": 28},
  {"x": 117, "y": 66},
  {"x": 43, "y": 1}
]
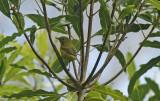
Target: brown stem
[
  {"x": 89, "y": 37},
  {"x": 82, "y": 39},
  {"x": 80, "y": 95},
  {"x": 75, "y": 70},
  {"x": 114, "y": 8}
]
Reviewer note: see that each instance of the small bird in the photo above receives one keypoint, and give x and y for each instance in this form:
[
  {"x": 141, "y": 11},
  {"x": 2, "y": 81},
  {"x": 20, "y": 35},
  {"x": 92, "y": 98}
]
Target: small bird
[{"x": 68, "y": 50}]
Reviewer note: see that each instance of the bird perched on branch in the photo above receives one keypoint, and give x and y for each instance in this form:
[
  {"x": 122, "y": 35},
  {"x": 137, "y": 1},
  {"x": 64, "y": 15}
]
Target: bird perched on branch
[{"x": 67, "y": 49}]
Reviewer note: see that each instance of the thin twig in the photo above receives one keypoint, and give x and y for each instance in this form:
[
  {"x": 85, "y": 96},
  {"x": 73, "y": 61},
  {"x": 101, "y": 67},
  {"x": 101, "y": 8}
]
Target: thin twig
[
  {"x": 38, "y": 6},
  {"x": 140, "y": 28},
  {"x": 82, "y": 39},
  {"x": 114, "y": 8},
  {"x": 89, "y": 35},
  {"x": 75, "y": 69}
]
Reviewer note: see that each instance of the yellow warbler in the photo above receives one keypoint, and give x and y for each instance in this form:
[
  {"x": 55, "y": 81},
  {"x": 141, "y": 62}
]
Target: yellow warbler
[{"x": 67, "y": 48}]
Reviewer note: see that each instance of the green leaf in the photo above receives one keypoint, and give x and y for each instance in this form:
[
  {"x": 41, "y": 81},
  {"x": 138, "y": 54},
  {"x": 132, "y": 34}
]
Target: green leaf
[
  {"x": 104, "y": 16},
  {"x": 76, "y": 44},
  {"x": 156, "y": 34},
  {"x": 59, "y": 30},
  {"x": 8, "y": 39},
  {"x": 146, "y": 16},
  {"x": 38, "y": 19},
  {"x": 139, "y": 93},
  {"x": 56, "y": 66},
  {"x": 30, "y": 93},
  {"x": 32, "y": 71},
  {"x": 32, "y": 34},
  {"x": 52, "y": 4},
  {"x": 1, "y": 36},
  {"x": 18, "y": 20},
  {"x": 132, "y": 67},
  {"x": 18, "y": 66},
  {"x": 144, "y": 68},
  {"x": 153, "y": 98},
  {"x": 27, "y": 61},
  {"x": 126, "y": 11},
  {"x": 26, "y": 51},
  {"x": 153, "y": 86},
  {"x": 8, "y": 49},
  {"x": 136, "y": 27},
  {"x": 133, "y": 2},
  {"x": 100, "y": 32},
  {"x": 4, "y": 8},
  {"x": 42, "y": 42},
  {"x": 129, "y": 28},
  {"x": 94, "y": 96},
  {"x": 12, "y": 72},
  {"x": 115, "y": 94},
  {"x": 2, "y": 68},
  {"x": 86, "y": 2},
  {"x": 9, "y": 89},
  {"x": 57, "y": 23},
  {"x": 73, "y": 7},
  {"x": 155, "y": 3},
  {"x": 51, "y": 98},
  {"x": 75, "y": 23},
  {"x": 13, "y": 55},
  {"x": 154, "y": 44},
  {"x": 119, "y": 55},
  {"x": 40, "y": 72},
  {"x": 54, "y": 22}
]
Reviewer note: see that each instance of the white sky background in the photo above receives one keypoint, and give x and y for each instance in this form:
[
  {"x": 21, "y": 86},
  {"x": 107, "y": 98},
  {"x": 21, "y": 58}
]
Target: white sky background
[{"x": 130, "y": 44}]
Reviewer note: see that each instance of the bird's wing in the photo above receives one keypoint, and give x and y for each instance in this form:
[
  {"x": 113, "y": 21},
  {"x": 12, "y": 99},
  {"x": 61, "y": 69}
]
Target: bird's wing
[
  {"x": 68, "y": 50},
  {"x": 68, "y": 54}
]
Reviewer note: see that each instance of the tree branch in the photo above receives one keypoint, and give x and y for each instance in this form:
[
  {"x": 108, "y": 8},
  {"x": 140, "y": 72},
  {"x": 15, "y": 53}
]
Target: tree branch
[
  {"x": 82, "y": 40},
  {"x": 89, "y": 37}
]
